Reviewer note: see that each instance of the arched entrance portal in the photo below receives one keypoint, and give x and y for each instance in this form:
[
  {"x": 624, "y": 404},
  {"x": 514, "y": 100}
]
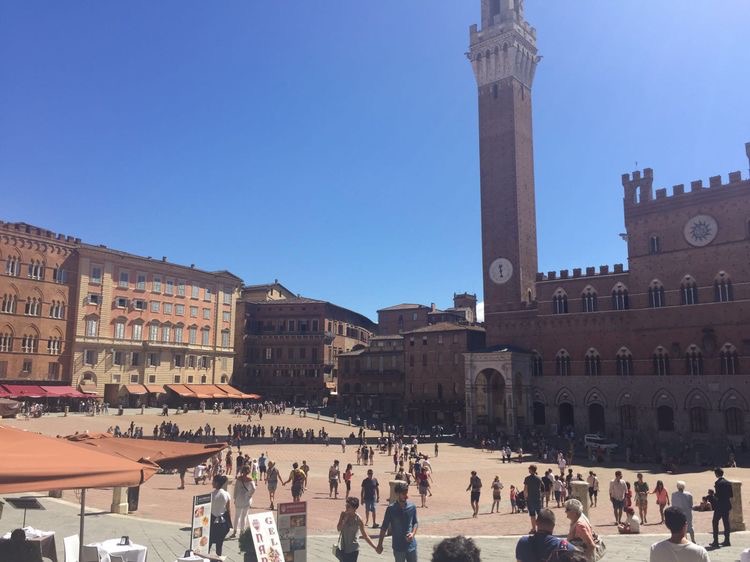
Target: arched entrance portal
[
  {"x": 567, "y": 418},
  {"x": 596, "y": 418},
  {"x": 490, "y": 399},
  {"x": 540, "y": 417}
]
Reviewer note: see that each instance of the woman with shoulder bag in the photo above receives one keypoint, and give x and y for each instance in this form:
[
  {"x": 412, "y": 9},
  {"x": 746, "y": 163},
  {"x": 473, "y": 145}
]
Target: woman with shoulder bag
[
  {"x": 349, "y": 527},
  {"x": 221, "y": 518},
  {"x": 581, "y": 534}
]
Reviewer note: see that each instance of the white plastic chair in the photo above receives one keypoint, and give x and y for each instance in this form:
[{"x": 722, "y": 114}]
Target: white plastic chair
[
  {"x": 90, "y": 554},
  {"x": 71, "y": 548}
]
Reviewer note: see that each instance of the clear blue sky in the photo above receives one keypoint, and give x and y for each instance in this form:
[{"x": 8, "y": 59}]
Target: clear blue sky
[{"x": 333, "y": 144}]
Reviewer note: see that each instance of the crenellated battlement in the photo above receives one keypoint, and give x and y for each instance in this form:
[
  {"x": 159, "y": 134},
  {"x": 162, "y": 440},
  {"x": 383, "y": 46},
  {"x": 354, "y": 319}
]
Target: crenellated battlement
[
  {"x": 639, "y": 186},
  {"x": 24, "y": 228},
  {"x": 580, "y": 273}
]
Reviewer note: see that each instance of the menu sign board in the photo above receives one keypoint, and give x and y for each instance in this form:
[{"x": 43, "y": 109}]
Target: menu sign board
[
  {"x": 201, "y": 525},
  {"x": 293, "y": 530},
  {"x": 266, "y": 537}
]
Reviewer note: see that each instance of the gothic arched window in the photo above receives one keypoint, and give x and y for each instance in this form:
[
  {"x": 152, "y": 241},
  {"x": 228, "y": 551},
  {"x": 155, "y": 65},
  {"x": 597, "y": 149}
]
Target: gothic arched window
[
  {"x": 589, "y": 300},
  {"x": 729, "y": 364},
  {"x": 656, "y": 294},
  {"x": 593, "y": 363},
  {"x": 661, "y": 362},
  {"x": 536, "y": 365},
  {"x": 562, "y": 363},
  {"x": 560, "y": 302},
  {"x": 688, "y": 291},
  {"x": 624, "y": 362},
  {"x": 723, "y": 288},
  {"x": 620, "y": 299},
  {"x": 694, "y": 361}
]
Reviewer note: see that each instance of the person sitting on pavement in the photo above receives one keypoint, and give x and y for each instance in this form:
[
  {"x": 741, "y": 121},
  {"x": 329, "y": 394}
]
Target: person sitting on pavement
[
  {"x": 631, "y": 525},
  {"x": 542, "y": 545}
]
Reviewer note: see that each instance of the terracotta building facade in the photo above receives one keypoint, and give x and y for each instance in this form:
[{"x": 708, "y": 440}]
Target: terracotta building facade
[
  {"x": 291, "y": 345},
  {"x": 37, "y": 292},
  {"x": 652, "y": 352},
  {"x": 150, "y": 322},
  {"x": 413, "y": 371},
  {"x": 100, "y": 319}
]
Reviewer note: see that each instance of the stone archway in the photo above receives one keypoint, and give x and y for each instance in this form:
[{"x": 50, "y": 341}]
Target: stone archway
[
  {"x": 596, "y": 418},
  {"x": 567, "y": 415},
  {"x": 540, "y": 415},
  {"x": 490, "y": 398}
]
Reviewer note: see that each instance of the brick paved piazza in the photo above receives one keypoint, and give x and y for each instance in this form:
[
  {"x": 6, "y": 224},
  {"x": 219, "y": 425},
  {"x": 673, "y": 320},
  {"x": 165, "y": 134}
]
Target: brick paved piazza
[{"x": 448, "y": 512}]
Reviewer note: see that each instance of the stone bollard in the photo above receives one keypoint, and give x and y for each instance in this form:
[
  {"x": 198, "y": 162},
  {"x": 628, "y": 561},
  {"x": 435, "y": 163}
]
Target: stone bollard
[
  {"x": 736, "y": 523},
  {"x": 392, "y": 493},
  {"x": 67, "y": 409},
  {"x": 318, "y": 415},
  {"x": 580, "y": 492},
  {"x": 143, "y": 409},
  {"x": 334, "y": 418},
  {"x": 350, "y": 422},
  {"x": 119, "y": 500}
]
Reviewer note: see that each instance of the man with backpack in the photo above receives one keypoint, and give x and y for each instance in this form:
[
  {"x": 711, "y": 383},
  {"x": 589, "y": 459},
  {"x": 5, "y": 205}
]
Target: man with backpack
[{"x": 542, "y": 546}]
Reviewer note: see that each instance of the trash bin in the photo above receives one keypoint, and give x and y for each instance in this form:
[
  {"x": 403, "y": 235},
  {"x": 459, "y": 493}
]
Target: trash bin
[
  {"x": 120, "y": 410},
  {"x": 133, "y": 495}
]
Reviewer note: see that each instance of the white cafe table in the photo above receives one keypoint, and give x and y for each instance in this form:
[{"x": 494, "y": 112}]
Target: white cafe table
[{"x": 128, "y": 552}]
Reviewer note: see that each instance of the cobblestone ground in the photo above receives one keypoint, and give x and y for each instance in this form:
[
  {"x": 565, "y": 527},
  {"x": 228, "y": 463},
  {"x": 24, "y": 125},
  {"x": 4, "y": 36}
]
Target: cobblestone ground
[
  {"x": 167, "y": 541},
  {"x": 448, "y": 511}
]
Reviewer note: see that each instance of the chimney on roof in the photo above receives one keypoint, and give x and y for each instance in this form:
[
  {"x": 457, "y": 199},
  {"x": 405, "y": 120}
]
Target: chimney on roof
[
  {"x": 432, "y": 307},
  {"x": 164, "y": 258}
]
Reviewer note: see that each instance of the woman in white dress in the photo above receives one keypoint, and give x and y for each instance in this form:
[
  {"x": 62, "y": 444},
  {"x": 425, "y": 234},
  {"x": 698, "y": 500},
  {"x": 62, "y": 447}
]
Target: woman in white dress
[{"x": 244, "y": 489}]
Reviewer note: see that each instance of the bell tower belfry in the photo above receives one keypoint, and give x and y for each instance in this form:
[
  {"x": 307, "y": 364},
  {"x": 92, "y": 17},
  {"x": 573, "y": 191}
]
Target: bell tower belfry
[{"x": 503, "y": 55}]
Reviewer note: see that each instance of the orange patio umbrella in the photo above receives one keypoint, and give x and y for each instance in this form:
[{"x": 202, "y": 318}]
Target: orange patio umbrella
[
  {"x": 31, "y": 462},
  {"x": 167, "y": 454}
]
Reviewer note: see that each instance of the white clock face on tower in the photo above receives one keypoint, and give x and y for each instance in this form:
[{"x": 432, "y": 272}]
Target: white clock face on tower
[
  {"x": 501, "y": 270},
  {"x": 701, "y": 230}
]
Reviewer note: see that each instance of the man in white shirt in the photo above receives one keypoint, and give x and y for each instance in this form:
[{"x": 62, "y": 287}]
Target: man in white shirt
[
  {"x": 617, "y": 491},
  {"x": 677, "y": 547}
]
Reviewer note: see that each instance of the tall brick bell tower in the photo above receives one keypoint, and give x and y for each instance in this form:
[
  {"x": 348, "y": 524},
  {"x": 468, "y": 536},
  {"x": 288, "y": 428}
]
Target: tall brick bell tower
[{"x": 504, "y": 57}]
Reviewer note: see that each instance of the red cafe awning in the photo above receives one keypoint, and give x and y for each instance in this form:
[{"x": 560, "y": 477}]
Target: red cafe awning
[
  {"x": 154, "y": 388},
  {"x": 25, "y": 391},
  {"x": 62, "y": 392}
]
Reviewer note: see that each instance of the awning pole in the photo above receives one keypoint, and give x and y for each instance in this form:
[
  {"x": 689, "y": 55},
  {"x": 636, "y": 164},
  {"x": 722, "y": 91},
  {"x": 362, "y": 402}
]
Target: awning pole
[{"x": 80, "y": 529}]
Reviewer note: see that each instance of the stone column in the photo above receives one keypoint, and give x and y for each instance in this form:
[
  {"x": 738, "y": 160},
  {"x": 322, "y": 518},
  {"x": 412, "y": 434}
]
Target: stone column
[
  {"x": 736, "y": 523},
  {"x": 392, "y": 492},
  {"x": 119, "y": 500},
  {"x": 580, "y": 491}
]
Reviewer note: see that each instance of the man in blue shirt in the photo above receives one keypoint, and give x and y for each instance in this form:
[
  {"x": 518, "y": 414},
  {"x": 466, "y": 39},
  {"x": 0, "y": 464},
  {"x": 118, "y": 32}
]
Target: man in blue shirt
[
  {"x": 401, "y": 518},
  {"x": 542, "y": 545}
]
